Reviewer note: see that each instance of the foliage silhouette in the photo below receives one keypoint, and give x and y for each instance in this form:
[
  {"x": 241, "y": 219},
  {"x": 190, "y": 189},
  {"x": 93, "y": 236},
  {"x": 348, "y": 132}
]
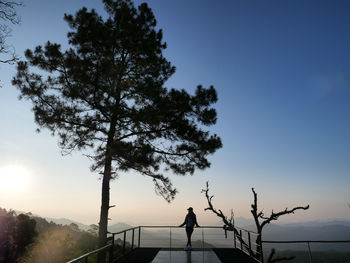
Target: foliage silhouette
[
  {"x": 8, "y": 15},
  {"x": 16, "y": 233},
  {"x": 58, "y": 243},
  {"x": 106, "y": 95}
]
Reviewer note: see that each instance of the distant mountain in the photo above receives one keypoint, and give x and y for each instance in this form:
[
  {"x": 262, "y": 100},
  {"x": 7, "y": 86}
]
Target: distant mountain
[
  {"x": 112, "y": 228},
  {"x": 239, "y": 222},
  {"x": 243, "y": 222},
  {"x": 320, "y": 223},
  {"x": 328, "y": 231},
  {"x": 65, "y": 221},
  {"x": 312, "y": 230},
  {"x": 118, "y": 227},
  {"x": 302, "y": 231},
  {"x": 331, "y": 231}
]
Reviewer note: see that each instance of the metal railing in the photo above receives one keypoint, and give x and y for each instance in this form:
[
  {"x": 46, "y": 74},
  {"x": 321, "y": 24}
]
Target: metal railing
[
  {"x": 116, "y": 248},
  {"x": 248, "y": 246},
  {"x": 172, "y": 237},
  {"x": 306, "y": 242},
  {"x": 85, "y": 258}
]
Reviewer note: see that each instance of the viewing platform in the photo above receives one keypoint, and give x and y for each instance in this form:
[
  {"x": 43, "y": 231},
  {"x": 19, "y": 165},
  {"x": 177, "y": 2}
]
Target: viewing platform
[
  {"x": 163, "y": 244},
  {"x": 210, "y": 244}
]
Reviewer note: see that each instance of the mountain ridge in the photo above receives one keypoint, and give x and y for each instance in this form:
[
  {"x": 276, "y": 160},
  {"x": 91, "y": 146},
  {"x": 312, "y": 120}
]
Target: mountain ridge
[{"x": 310, "y": 230}]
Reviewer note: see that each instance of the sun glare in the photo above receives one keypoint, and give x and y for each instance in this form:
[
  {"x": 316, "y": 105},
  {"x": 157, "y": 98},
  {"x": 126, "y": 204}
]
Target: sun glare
[{"x": 13, "y": 178}]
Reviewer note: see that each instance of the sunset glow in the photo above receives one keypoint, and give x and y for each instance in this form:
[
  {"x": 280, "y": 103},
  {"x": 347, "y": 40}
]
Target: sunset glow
[{"x": 13, "y": 178}]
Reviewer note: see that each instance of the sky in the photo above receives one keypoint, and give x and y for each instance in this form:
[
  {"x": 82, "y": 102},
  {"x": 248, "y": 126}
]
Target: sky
[{"x": 282, "y": 73}]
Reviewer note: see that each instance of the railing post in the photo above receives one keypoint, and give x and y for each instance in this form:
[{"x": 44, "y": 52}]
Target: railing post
[
  {"x": 234, "y": 238},
  {"x": 240, "y": 233},
  {"x": 86, "y": 260},
  {"x": 111, "y": 250},
  {"x": 138, "y": 244},
  {"x": 250, "y": 245},
  {"x": 132, "y": 242},
  {"x": 309, "y": 249},
  {"x": 170, "y": 239},
  {"x": 261, "y": 251},
  {"x": 124, "y": 240},
  {"x": 202, "y": 239}
]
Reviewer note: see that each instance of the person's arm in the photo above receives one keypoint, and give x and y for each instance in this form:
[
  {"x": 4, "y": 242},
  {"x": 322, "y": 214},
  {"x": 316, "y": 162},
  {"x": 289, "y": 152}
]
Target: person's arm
[
  {"x": 184, "y": 223},
  {"x": 195, "y": 221}
]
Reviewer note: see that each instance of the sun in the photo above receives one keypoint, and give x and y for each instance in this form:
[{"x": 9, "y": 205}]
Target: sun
[{"x": 14, "y": 178}]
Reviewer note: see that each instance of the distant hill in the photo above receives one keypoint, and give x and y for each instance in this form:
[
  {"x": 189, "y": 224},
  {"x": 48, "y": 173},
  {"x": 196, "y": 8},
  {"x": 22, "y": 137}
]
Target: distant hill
[
  {"x": 312, "y": 230},
  {"x": 244, "y": 222},
  {"x": 328, "y": 231},
  {"x": 111, "y": 228},
  {"x": 59, "y": 221},
  {"x": 65, "y": 221},
  {"x": 320, "y": 223},
  {"x": 118, "y": 227}
]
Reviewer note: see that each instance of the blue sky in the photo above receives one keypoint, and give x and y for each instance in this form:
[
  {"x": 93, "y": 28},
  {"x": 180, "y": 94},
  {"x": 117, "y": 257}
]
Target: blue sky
[{"x": 281, "y": 70}]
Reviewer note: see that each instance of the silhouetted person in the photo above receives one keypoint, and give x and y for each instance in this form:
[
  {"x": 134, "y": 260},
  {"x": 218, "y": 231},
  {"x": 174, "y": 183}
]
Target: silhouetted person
[{"x": 190, "y": 222}]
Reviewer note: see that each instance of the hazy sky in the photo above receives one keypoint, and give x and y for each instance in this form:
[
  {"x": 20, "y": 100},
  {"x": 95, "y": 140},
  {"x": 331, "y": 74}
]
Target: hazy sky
[{"x": 281, "y": 70}]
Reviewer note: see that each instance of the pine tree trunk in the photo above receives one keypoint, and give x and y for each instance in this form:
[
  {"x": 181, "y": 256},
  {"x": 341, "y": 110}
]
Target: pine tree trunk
[
  {"x": 103, "y": 224},
  {"x": 104, "y": 207}
]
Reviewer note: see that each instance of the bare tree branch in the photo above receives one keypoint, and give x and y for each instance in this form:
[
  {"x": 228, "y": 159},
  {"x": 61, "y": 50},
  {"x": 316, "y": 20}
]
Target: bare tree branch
[
  {"x": 219, "y": 213},
  {"x": 273, "y": 216},
  {"x": 229, "y": 223}
]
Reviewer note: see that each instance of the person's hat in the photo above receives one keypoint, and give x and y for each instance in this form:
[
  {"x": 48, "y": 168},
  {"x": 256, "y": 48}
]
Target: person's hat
[{"x": 190, "y": 208}]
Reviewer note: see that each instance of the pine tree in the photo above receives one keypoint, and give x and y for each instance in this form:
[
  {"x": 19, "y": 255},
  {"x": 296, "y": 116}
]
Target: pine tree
[{"x": 105, "y": 96}]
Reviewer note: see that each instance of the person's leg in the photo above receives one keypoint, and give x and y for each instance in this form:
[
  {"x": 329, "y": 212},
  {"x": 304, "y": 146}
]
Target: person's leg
[
  {"x": 188, "y": 237},
  {"x": 189, "y": 231}
]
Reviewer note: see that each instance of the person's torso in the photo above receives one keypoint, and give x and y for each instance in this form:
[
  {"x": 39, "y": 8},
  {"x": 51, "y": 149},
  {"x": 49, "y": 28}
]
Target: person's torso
[{"x": 190, "y": 220}]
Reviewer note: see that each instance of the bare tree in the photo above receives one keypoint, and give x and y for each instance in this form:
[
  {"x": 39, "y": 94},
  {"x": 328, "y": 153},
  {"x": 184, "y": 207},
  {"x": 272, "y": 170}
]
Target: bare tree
[
  {"x": 258, "y": 216},
  {"x": 266, "y": 220},
  {"x": 228, "y": 222},
  {"x": 8, "y": 15}
]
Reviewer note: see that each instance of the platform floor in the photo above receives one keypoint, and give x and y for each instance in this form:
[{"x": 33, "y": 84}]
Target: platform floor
[
  {"x": 157, "y": 255},
  {"x": 194, "y": 256}
]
